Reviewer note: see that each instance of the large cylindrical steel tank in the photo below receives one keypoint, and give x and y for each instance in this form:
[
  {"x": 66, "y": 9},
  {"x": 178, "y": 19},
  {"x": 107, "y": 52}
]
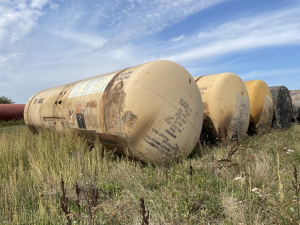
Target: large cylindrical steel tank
[
  {"x": 283, "y": 110},
  {"x": 261, "y": 105},
  {"x": 225, "y": 104},
  {"x": 150, "y": 112},
  {"x": 295, "y": 95},
  {"x": 11, "y": 111}
]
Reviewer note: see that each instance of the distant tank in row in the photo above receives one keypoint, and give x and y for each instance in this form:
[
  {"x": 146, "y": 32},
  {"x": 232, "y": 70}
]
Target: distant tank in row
[
  {"x": 283, "y": 110},
  {"x": 226, "y": 105},
  {"x": 295, "y": 95},
  {"x": 261, "y": 106},
  {"x": 11, "y": 111}
]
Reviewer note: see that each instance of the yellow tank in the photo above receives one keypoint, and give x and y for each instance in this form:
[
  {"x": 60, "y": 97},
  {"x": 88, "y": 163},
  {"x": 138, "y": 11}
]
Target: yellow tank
[
  {"x": 225, "y": 104},
  {"x": 261, "y": 105},
  {"x": 151, "y": 112}
]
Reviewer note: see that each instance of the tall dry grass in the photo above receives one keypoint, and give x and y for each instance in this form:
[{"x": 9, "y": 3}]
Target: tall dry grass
[{"x": 252, "y": 186}]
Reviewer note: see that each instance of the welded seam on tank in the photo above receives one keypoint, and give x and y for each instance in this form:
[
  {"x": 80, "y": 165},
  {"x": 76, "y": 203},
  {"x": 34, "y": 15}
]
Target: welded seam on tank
[
  {"x": 103, "y": 97},
  {"x": 198, "y": 78}
]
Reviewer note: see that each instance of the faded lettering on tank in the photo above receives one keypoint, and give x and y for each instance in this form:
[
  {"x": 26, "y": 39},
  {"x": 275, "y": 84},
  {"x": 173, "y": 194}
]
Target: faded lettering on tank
[
  {"x": 164, "y": 140},
  {"x": 92, "y": 86},
  {"x": 240, "y": 117},
  {"x": 124, "y": 76}
]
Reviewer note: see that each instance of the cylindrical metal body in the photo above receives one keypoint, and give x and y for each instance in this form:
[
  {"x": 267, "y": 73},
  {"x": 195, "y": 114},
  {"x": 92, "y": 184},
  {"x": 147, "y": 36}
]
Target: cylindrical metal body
[
  {"x": 225, "y": 104},
  {"x": 11, "y": 111},
  {"x": 295, "y": 95},
  {"x": 151, "y": 112},
  {"x": 261, "y": 105},
  {"x": 283, "y": 110}
]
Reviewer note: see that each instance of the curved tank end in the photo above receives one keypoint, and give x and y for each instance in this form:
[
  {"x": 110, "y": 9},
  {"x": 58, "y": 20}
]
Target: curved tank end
[
  {"x": 225, "y": 104},
  {"x": 282, "y": 106},
  {"x": 261, "y": 106},
  {"x": 295, "y": 95}
]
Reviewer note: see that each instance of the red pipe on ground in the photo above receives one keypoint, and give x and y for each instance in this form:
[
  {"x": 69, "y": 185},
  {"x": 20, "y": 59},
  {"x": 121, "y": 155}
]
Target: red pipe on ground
[{"x": 11, "y": 111}]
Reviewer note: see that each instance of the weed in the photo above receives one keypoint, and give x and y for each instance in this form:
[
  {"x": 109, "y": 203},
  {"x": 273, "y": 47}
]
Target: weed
[
  {"x": 64, "y": 201},
  {"x": 297, "y": 187},
  {"x": 145, "y": 214},
  {"x": 77, "y": 190}
]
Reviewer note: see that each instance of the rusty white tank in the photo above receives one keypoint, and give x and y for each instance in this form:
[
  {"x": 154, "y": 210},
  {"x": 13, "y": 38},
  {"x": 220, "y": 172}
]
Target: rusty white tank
[
  {"x": 151, "y": 112},
  {"x": 225, "y": 104},
  {"x": 261, "y": 105}
]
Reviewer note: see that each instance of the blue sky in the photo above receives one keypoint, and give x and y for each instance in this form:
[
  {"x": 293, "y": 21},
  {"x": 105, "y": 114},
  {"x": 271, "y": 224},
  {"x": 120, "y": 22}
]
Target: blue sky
[{"x": 46, "y": 43}]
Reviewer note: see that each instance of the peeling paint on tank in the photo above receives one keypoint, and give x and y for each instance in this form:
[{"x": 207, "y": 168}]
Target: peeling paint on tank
[{"x": 129, "y": 119}]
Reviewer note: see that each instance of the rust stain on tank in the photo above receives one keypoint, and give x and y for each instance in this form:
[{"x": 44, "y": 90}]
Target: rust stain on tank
[
  {"x": 129, "y": 119},
  {"x": 112, "y": 104},
  {"x": 92, "y": 104}
]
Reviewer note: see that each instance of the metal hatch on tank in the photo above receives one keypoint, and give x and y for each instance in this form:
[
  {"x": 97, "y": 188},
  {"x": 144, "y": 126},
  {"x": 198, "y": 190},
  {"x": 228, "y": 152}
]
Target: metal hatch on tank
[
  {"x": 261, "y": 105},
  {"x": 151, "y": 112},
  {"x": 282, "y": 106},
  {"x": 225, "y": 105}
]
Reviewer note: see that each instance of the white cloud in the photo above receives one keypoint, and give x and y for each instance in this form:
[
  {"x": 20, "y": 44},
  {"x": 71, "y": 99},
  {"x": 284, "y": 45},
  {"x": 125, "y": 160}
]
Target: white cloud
[
  {"x": 90, "y": 40},
  {"x": 258, "y": 75},
  {"x": 179, "y": 38},
  {"x": 18, "y": 19},
  {"x": 273, "y": 29},
  {"x": 54, "y": 6},
  {"x": 139, "y": 18},
  {"x": 38, "y": 4},
  {"x": 279, "y": 77}
]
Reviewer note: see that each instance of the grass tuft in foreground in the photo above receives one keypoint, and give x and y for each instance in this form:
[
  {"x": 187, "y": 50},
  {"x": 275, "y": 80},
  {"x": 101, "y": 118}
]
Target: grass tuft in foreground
[{"x": 55, "y": 179}]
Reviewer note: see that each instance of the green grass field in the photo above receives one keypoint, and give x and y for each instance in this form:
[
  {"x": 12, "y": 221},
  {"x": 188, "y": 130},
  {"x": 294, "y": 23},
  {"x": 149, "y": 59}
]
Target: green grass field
[{"x": 56, "y": 179}]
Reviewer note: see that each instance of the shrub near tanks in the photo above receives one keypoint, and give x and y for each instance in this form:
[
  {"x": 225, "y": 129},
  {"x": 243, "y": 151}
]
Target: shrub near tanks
[
  {"x": 226, "y": 105},
  {"x": 151, "y": 112},
  {"x": 261, "y": 105}
]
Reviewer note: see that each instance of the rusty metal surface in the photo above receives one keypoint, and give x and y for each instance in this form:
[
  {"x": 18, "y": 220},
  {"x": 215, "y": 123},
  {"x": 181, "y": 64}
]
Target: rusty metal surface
[
  {"x": 11, "y": 111},
  {"x": 283, "y": 110},
  {"x": 261, "y": 106},
  {"x": 151, "y": 112},
  {"x": 295, "y": 95},
  {"x": 226, "y": 106}
]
